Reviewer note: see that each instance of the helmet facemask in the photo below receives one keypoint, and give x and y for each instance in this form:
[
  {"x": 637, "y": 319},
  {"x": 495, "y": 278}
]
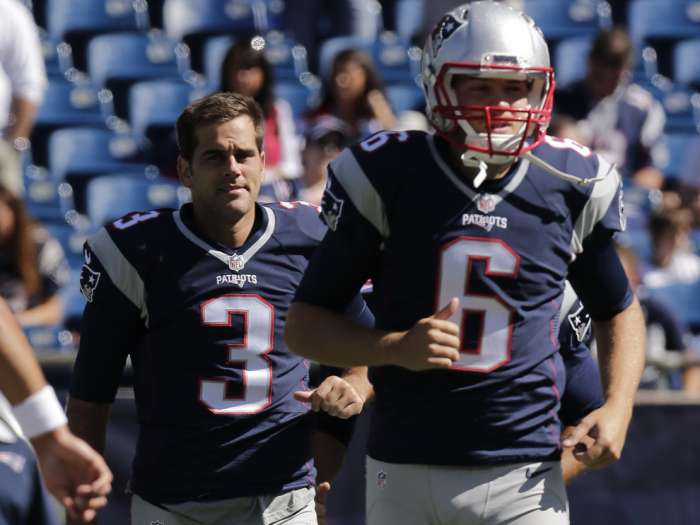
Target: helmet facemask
[{"x": 452, "y": 119}]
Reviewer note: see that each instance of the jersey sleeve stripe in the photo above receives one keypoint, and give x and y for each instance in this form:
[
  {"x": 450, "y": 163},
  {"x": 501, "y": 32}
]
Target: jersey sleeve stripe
[
  {"x": 358, "y": 187},
  {"x": 601, "y": 197},
  {"x": 120, "y": 270}
]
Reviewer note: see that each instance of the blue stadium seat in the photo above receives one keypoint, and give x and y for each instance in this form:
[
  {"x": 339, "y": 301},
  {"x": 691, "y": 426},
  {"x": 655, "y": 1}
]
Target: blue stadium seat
[
  {"x": 46, "y": 338},
  {"x": 58, "y": 56},
  {"x": 684, "y": 298},
  {"x": 299, "y": 96},
  {"x": 287, "y": 58},
  {"x": 79, "y": 154},
  {"x": 183, "y": 19},
  {"x": 215, "y": 49},
  {"x": 69, "y": 104},
  {"x": 404, "y": 97},
  {"x": 682, "y": 108},
  {"x": 394, "y": 59},
  {"x": 46, "y": 198},
  {"x": 686, "y": 63},
  {"x": 93, "y": 16},
  {"x": 154, "y": 105},
  {"x": 676, "y": 144},
  {"x": 561, "y": 19},
  {"x": 663, "y": 19},
  {"x": 571, "y": 59},
  {"x": 135, "y": 56},
  {"x": 111, "y": 196},
  {"x": 71, "y": 239},
  {"x": 408, "y": 17}
]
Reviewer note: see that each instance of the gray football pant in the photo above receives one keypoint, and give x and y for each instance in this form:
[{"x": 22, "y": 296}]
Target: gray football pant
[
  {"x": 515, "y": 494},
  {"x": 291, "y": 508}
]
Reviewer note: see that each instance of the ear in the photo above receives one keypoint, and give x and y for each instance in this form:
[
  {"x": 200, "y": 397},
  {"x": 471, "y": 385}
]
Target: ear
[
  {"x": 184, "y": 172},
  {"x": 262, "y": 160}
]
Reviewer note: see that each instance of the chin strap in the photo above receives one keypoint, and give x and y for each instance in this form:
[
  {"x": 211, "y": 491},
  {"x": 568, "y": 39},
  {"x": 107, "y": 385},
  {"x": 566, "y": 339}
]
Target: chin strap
[
  {"x": 470, "y": 161},
  {"x": 563, "y": 175}
]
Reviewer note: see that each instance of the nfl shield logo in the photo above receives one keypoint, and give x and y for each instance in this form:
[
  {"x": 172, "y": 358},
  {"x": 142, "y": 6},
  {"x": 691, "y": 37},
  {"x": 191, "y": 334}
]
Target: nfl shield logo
[
  {"x": 485, "y": 203},
  {"x": 381, "y": 479},
  {"x": 236, "y": 262}
]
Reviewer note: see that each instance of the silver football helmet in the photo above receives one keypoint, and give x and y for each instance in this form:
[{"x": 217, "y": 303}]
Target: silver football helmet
[{"x": 488, "y": 40}]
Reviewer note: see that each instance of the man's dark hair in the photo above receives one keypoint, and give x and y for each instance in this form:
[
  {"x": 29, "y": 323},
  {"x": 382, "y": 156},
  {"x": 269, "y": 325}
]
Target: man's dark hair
[
  {"x": 612, "y": 47},
  {"x": 216, "y": 109}
]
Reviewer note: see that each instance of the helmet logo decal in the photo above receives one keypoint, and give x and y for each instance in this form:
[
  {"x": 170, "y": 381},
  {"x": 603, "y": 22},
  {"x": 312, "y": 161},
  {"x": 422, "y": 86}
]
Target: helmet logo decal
[{"x": 443, "y": 31}]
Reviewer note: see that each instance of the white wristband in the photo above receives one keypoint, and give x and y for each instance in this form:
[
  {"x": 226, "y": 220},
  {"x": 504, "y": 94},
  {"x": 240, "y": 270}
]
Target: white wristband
[{"x": 39, "y": 413}]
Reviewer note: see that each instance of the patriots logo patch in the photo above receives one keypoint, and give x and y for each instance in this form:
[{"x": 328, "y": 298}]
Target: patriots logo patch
[
  {"x": 331, "y": 208},
  {"x": 443, "y": 31},
  {"x": 580, "y": 323},
  {"x": 88, "y": 281}
]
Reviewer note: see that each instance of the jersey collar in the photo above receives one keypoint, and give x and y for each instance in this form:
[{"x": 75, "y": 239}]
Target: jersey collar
[
  {"x": 499, "y": 189},
  {"x": 238, "y": 258}
]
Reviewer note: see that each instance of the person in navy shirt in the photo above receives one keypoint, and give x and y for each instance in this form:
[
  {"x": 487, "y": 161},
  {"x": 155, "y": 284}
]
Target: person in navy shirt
[
  {"x": 468, "y": 236},
  {"x": 197, "y": 298}
]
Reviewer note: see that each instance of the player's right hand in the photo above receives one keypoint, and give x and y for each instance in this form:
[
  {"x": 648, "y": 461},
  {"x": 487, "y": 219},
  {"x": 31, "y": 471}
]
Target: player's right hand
[
  {"x": 322, "y": 489},
  {"x": 433, "y": 342}
]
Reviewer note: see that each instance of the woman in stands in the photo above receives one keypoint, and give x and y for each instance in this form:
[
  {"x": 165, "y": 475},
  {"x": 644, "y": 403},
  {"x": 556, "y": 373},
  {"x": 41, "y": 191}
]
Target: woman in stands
[
  {"x": 354, "y": 93},
  {"x": 32, "y": 265},
  {"x": 245, "y": 70}
]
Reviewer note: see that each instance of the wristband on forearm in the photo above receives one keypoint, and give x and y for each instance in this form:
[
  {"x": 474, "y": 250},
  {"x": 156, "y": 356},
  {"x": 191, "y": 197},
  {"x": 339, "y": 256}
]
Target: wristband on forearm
[{"x": 39, "y": 413}]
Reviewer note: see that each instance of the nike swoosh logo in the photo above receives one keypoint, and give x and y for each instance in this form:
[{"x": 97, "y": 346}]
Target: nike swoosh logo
[{"x": 530, "y": 475}]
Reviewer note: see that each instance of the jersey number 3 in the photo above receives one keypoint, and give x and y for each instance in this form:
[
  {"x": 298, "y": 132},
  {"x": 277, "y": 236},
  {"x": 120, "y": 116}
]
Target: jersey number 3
[
  {"x": 489, "y": 345},
  {"x": 250, "y": 355}
]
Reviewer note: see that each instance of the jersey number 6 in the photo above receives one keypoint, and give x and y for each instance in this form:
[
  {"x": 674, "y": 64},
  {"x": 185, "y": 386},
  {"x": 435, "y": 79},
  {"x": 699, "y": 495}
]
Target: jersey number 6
[
  {"x": 492, "y": 338},
  {"x": 250, "y": 355}
]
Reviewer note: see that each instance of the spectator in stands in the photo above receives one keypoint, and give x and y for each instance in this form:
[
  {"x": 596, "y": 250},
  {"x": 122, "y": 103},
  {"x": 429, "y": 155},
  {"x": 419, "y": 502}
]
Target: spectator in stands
[
  {"x": 32, "y": 265},
  {"x": 325, "y": 139},
  {"x": 672, "y": 259},
  {"x": 666, "y": 332},
  {"x": 354, "y": 93},
  {"x": 245, "y": 70},
  {"x": 617, "y": 118},
  {"x": 22, "y": 85},
  {"x": 311, "y": 21}
]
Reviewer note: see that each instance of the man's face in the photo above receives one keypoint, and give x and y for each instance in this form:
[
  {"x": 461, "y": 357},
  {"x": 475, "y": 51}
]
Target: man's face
[
  {"x": 473, "y": 91},
  {"x": 226, "y": 170},
  {"x": 604, "y": 78}
]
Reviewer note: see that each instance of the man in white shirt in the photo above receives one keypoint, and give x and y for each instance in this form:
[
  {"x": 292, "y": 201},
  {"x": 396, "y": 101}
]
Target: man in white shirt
[{"x": 22, "y": 86}]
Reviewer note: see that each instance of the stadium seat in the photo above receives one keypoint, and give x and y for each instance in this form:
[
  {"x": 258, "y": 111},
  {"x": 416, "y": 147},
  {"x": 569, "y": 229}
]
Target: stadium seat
[
  {"x": 111, "y": 196},
  {"x": 299, "y": 96},
  {"x": 187, "y": 19},
  {"x": 93, "y": 16},
  {"x": 78, "y": 154},
  {"x": 71, "y": 239},
  {"x": 682, "y": 108},
  {"x": 118, "y": 60},
  {"x": 47, "y": 338},
  {"x": 686, "y": 63},
  {"x": 571, "y": 59},
  {"x": 58, "y": 57},
  {"x": 408, "y": 17},
  {"x": 287, "y": 58},
  {"x": 405, "y": 97},
  {"x": 663, "y": 19},
  {"x": 561, "y": 19},
  {"x": 394, "y": 59},
  {"x": 684, "y": 298},
  {"x": 676, "y": 144},
  {"x": 215, "y": 49},
  {"x": 46, "y": 198},
  {"x": 154, "y": 105}
]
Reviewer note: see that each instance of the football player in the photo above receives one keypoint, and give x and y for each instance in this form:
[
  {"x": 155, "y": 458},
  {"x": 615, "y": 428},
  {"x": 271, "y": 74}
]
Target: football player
[
  {"x": 197, "y": 298},
  {"x": 468, "y": 236},
  {"x": 74, "y": 473}
]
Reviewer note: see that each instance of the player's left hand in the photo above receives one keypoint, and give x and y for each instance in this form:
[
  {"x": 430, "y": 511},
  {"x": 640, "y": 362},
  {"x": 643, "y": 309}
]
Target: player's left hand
[
  {"x": 74, "y": 473},
  {"x": 599, "y": 438},
  {"x": 335, "y": 396},
  {"x": 322, "y": 489}
]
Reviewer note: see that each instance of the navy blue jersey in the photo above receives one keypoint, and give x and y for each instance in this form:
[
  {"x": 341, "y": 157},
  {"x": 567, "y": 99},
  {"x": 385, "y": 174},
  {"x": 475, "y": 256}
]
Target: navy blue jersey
[
  {"x": 584, "y": 391},
  {"x": 401, "y": 216},
  {"x": 203, "y": 325},
  {"x": 23, "y": 499}
]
